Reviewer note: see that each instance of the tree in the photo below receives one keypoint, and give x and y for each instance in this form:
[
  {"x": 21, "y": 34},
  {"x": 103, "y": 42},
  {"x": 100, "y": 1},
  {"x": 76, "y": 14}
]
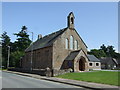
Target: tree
[
  {"x": 105, "y": 52},
  {"x": 5, "y": 43},
  {"x": 19, "y": 46},
  {"x": 23, "y": 40},
  {"x": 15, "y": 58},
  {"x": 104, "y": 48},
  {"x": 97, "y": 52},
  {"x": 110, "y": 51}
]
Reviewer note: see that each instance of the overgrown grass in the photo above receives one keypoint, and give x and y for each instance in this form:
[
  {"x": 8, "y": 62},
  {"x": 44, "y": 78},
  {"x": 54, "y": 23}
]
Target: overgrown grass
[{"x": 104, "y": 77}]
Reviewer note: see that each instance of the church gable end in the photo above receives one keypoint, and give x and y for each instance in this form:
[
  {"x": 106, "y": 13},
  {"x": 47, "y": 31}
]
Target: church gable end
[{"x": 67, "y": 42}]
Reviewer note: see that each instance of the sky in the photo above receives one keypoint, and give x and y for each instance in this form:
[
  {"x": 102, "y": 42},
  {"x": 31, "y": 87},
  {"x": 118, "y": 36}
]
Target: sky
[{"x": 96, "y": 22}]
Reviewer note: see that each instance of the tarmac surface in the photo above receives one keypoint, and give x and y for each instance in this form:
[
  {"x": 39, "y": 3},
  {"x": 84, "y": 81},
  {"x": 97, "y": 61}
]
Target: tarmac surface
[
  {"x": 11, "y": 80},
  {"x": 87, "y": 85}
]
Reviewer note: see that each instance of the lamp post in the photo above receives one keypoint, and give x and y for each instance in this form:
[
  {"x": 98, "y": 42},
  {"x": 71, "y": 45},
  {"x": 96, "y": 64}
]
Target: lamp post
[
  {"x": 32, "y": 51},
  {"x": 8, "y": 57}
]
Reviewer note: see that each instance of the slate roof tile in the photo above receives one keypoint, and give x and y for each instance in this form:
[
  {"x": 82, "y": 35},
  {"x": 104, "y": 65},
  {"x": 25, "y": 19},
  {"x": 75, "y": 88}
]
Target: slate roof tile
[
  {"x": 92, "y": 58},
  {"x": 72, "y": 55},
  {"x": 45, "y": 41}
]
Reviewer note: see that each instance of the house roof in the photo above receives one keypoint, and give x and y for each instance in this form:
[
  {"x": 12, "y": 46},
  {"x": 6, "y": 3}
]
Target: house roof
[
  {"x": 45, "y": 41},
  {"x": 118, "y": 61},
  {"x": 107, "y": 60},
  {"x": 92, "y": 58},
  {"x": 72, "y": 55},
  {"x": 115, "y": 61}
]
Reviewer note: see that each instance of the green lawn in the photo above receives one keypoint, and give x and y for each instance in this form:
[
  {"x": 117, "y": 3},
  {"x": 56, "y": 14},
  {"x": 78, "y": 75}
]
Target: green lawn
[{"x": 105, "y": 77}]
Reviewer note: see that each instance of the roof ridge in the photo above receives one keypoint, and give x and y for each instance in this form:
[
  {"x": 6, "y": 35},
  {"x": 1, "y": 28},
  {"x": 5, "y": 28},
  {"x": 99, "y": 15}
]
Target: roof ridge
[{"x": 54, "y": 32}]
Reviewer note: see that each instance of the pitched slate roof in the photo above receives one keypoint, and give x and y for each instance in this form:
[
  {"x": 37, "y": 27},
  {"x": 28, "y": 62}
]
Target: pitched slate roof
[
  {"x": 107, "y": 60},
  {"x": 72, "y": 55},
  {"x": 92, "y": 58},
  {"x": 118, "y": 61},
  {"x": 45, "y": 41}
]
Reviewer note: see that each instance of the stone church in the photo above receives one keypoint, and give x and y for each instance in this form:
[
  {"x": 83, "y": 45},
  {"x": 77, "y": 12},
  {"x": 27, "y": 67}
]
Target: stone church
[{"x": 60, "y": 50}]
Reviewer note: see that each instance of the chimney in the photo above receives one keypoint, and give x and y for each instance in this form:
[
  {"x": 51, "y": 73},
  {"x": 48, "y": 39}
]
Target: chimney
[{"x": 39, "y": 36}]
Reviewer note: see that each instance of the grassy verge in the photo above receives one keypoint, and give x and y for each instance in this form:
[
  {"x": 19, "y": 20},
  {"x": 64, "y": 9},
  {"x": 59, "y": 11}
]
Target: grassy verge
[
  {"x": 104, "y": 77},
  {"x": 2, "y": 69}
]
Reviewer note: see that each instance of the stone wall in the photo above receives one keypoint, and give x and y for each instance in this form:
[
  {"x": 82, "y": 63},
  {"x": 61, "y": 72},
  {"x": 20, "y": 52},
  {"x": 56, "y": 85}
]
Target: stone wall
[
  {"x": 94, "y": 67},
  {"x": 59, "y": 50},
  {"x": 54, "y": 56},
  {"x": 41, "y": 72},
  {"x": 42, "y": 58},
  {"x": 60, "y": 72}
]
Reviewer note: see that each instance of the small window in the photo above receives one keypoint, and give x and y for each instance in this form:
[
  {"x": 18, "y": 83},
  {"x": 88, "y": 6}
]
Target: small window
[
  {"x": 66, "y": 43},
  {"x": 97, "y": 64},
  {"x": 90, "y": 64}
]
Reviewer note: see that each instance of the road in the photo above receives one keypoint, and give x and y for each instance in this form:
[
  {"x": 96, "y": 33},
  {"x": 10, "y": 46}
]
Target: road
[
  {"x": 0, "y": 80},
  {"x": 10, "y": 80},
  {"x": 111, "y": 70}
]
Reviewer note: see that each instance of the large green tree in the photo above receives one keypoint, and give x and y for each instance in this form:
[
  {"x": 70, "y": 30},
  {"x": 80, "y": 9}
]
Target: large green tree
[
  {"x": 97, "y": 52},
  {"x": 105, "y": 51},
  {"x": 15, "y": 58},
  {"x": 103, "y": 47},
  {"x": 23, "y": 40},
  {"x": 5, "y": 43},
  {"x": 19, "y": 46},
  {"x": 110, "y": 51}
]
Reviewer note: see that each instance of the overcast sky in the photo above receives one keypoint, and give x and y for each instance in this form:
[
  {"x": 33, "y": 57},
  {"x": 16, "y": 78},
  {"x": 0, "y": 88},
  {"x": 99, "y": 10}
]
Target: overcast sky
[{"x": 96, "y": 22}]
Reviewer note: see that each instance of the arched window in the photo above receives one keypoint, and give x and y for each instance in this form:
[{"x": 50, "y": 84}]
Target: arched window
[
  {"x": 76, "y": 44},
  {"x": 66, "y": 43},
  {"x": 72, "y": 22},
  {"x": 71, "y": 42}
]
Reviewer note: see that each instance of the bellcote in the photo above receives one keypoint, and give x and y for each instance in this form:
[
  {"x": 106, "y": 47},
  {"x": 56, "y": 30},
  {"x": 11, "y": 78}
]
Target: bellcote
[{"x": 71, "y": 20}]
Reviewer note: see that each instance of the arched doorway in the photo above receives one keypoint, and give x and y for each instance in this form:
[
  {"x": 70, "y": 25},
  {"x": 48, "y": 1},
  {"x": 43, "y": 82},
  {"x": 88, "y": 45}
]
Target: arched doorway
[{"x": 82, "y": 64}]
